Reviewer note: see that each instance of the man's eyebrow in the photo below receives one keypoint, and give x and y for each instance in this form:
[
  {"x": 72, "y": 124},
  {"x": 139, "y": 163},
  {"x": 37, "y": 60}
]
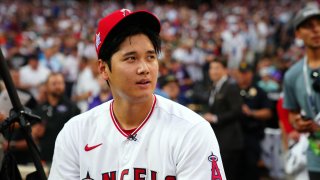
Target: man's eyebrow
[
  {"x": 133, "y": 53},
  {"x": 129, "y": 53},
  {"x": 151, "y": 52}
]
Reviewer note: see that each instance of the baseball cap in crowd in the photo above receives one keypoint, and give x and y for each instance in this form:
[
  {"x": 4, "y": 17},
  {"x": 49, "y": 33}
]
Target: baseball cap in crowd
[
  {"x": 32, "y": 57},
  {"x": 121, "y": 19},
  {"x": 164, "y": 80},
  {"x": 245, "y": 67},
  {"x": 304, "y": 14}
]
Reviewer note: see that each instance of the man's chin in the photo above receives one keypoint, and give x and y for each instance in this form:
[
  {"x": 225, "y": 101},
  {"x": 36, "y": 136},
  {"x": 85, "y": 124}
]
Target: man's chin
[{"x": 58, "y": 96}]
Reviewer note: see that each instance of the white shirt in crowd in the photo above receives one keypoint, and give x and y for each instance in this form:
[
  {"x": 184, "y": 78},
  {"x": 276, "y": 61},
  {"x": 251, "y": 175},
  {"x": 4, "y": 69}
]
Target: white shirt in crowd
[
  {"x": 86, "y": 83},
  {"x": 33, "y": 77}
]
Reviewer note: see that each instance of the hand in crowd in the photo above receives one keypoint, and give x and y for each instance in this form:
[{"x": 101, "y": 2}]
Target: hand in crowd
[
  {"x": 2, "y": 117},
  {"x": 211, "y": 118},
  {"x": 304, "y": 125},
  {"x": 5, "y": 145},
  {"x": 37, "y": 131},
  {"x": 246, "y": 110},
  {"x": 294, "y": 135}
]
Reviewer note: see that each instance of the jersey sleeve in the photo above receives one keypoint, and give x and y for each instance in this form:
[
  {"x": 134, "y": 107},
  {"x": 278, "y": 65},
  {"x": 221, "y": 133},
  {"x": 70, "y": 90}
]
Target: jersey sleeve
[
  {"x": 66, "y": 156},
  {"x": 199, "y": 156}
]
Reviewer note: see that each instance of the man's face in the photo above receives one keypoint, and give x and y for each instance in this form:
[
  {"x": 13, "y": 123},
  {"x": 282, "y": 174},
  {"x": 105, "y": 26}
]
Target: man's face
[
  {"x": 309, "y": 32},
  {"x": 245, "y": 78},
  {"x": 172, "y": 89},
  {"x": 34, "y": 63},
  {"x": 55, "y": 85},
  {"x": 216, "y": 71},
  {"x": 134, "y": 69}
]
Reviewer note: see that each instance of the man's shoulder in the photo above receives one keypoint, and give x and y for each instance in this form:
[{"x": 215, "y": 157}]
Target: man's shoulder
[
  {"x": 294, "y": 71},
  {"x": 231, "y": 82},
  {"x": 25, "y": 70},
  {"x": 177, "y": 112},
  {"x": 90, "y": 117},
  {"x": 179, "y": 120},
  {"x": 230, "y": 85}
]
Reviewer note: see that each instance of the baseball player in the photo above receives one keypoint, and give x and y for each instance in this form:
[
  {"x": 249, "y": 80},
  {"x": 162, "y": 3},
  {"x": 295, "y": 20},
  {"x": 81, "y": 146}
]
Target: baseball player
[{"x": 137, "y": 135}]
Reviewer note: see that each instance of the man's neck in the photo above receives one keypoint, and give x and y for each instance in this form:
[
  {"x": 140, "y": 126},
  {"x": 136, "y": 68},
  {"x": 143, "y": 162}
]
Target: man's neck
[
  {"x": 221, "y": 80},
  {"x": 53, "y": 101},
  {"x": 313, "y": 57},
  {"x": 131, "y": 115}
]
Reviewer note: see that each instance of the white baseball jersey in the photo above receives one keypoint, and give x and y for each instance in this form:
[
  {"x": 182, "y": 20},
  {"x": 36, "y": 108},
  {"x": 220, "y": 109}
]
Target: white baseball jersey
[{"x": 172, "y": 143}]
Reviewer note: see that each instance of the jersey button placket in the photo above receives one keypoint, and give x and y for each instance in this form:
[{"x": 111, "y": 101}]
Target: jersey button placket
[{"x": 125, "y": 151}]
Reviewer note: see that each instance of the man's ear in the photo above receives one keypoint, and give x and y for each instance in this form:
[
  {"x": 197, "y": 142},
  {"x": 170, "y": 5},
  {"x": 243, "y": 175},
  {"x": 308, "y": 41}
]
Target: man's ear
[
  {"x": 103, "y": 69},
  {"x": 297, "y": 34}
]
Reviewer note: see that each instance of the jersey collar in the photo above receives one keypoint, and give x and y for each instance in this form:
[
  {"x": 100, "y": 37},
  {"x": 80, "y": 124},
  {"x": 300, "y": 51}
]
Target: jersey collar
[{"x": 116, "y": 122}]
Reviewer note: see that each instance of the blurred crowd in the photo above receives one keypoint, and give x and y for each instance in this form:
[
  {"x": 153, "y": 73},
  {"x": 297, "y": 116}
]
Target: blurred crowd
[{"x": 49, "y": 47}]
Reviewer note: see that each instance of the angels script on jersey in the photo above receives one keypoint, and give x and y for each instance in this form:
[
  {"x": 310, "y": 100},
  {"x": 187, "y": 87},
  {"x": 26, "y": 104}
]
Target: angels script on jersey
[
  {"x": 139, "y": 174},
  {"x": 143, "y": 174}
]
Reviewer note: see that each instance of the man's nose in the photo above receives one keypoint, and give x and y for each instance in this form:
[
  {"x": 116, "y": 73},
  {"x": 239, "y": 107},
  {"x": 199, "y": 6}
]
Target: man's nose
[{"x": 143, "y": 67}]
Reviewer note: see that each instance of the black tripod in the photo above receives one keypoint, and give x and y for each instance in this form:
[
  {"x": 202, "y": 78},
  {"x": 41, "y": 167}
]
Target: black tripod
[{"x": 21, "y": 115}]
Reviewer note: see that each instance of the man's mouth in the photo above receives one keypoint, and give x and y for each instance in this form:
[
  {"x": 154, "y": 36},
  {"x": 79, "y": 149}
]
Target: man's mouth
[{"x": 144, "y": 81}]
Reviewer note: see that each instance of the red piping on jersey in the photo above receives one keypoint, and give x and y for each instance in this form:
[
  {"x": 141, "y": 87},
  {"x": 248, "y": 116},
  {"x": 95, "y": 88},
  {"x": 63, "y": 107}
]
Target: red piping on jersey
[{"x": 116, "y": 123}]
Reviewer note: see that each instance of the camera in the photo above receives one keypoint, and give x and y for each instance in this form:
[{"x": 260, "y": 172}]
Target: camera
[
  {"x": 315, "y": 75},
  {"x": 305, "y": 118}
]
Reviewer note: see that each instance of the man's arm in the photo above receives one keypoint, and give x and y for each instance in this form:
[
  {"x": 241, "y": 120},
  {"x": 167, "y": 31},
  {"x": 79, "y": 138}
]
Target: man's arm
[
  {"x": 234, "y": 100},
  {"x": 199, "y": 155},
  {"x": 302, "y": 124},
  {"x": 260, "y": 114},
  {"x": 65, "y": 163}
]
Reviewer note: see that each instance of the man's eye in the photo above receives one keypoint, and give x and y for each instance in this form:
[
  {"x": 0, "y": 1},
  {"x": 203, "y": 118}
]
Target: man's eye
[
  {"x": 131, "y": 58},
  {"x": 151, "y": 57}
]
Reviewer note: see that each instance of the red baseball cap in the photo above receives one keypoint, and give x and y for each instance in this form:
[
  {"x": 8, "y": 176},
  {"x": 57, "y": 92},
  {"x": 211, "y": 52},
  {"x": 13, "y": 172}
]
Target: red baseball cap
[{"x": 120, "y": 19}]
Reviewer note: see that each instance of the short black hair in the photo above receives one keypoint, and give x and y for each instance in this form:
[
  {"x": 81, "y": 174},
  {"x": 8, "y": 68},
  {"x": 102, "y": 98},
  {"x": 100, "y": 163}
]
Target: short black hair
[
  {"x": 221, "y": 61},
  {"x": 32, "y": 57},
  {"x": 112, "y": 42}
]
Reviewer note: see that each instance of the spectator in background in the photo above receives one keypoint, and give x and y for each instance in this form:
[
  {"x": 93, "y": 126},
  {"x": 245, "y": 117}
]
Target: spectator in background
[
  {"x": 32, "y": 75},
  {"x": 50, "y": 59},
  {"x": 170, "y": 86},
  {"x": 179, "y": 71},
  {"x": 191, "y": 57},
  {"x": 103, "y": 96},
  {"x": 87, "y": 85},
  {"x": 42, "y": 93},
  {"x": 224, "y": 110},
  {"x": 70, "y": 69},
  {"x": 256, "y": 109},
  {"x": 266, "y": 82},
  {"x": 290, "y": 137},
  {"x": 301, "y": 86},
  {"x": 18, "y": 146},
  {"x": 234, "y": 47},
  {"x": 56, "y": 111},
  {"x": 163, "y": 72}
]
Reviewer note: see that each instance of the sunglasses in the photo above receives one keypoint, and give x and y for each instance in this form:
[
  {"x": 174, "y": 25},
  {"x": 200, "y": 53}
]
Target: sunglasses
[{"x": 315, "y": 75}]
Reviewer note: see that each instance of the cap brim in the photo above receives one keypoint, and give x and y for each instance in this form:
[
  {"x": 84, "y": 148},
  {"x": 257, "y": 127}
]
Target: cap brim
[
  {"x": 138, "y": 18},
  {"x": 305, "y": 19},
  {"x": 244, "y": 70}
]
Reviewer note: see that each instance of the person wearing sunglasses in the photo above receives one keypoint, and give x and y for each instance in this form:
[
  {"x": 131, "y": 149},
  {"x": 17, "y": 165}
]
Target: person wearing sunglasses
[{"x": 302, "y": 86}]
